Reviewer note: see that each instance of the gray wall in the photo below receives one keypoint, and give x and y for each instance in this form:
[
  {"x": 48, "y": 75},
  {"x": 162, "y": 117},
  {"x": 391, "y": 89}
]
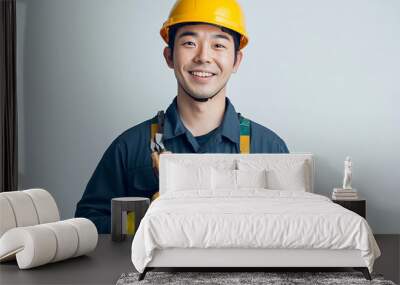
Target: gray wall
[{"x": 323, "y": 74}]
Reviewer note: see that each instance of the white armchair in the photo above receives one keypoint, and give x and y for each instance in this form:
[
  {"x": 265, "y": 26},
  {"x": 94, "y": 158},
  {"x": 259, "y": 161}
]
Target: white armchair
[{"x": 31, "y": 232}]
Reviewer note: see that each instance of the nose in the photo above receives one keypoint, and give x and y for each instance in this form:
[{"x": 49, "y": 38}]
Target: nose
[{"x": 203, "y": 54}]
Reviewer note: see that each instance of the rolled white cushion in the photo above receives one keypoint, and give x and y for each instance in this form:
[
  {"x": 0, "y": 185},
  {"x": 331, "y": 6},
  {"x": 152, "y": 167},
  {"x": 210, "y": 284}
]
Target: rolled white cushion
[
  {"x": 67, "y": 239},
  {"x": 40, "y": 244},
  {"x": 23, "y": 208},
  {"x": 7, "y": 218},
  {"x": 33, "y": 245},
  {"x": 26, "y": 208},
  {"x": 45, "y": 205},
  {"x": 87, "y": 235}
]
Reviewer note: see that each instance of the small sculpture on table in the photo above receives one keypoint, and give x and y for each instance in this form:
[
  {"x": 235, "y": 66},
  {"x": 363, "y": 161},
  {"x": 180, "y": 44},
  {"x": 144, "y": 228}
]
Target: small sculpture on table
[
  {"x": 347, "y": 173},
  {"x": 346, "y": 192}
]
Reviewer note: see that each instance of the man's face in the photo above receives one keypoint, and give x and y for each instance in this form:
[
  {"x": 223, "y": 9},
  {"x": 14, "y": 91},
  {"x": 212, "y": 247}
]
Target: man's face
[{"x": 203, "y": 59}]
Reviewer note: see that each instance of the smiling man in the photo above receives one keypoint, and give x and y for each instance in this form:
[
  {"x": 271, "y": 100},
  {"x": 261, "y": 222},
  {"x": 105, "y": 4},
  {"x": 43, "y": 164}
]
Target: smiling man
[{"x": 205, "y": 41}]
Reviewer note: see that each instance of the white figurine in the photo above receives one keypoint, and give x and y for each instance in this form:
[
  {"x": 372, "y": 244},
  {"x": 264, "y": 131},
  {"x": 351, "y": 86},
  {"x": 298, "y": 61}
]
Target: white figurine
[{"x": 347, "y": 173}]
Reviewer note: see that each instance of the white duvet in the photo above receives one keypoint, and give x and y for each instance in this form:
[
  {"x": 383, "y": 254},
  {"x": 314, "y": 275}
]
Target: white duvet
[{"x": 250, "y": 218}]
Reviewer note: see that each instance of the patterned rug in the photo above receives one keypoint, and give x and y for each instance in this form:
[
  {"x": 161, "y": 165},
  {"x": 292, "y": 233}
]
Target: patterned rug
[{"x": 242, "y": 278}]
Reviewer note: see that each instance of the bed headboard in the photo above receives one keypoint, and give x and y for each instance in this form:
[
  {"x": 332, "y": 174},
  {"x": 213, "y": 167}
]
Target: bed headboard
[{"x": 232, "y": 161}]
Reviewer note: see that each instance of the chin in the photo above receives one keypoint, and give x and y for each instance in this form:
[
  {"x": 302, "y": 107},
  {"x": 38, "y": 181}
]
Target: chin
[
  {"x": 203, "y": 96},
  {"x": 204, "y": 93}
]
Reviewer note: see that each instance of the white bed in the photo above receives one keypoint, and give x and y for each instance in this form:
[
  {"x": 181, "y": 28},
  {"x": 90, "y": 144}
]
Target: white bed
[{"x": 258, "y": 210}]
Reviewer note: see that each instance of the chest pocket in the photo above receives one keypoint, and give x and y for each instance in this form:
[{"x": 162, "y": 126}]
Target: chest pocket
[{"x": 144, "y": 179}]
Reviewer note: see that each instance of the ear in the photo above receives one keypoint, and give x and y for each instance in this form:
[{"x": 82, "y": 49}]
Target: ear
[
  {"x": 239, "y": 57},
  {"x": 168, "y": 57}
]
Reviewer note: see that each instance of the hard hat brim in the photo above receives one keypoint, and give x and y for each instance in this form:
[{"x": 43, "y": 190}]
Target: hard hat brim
[{"x": 165, "y": 29}]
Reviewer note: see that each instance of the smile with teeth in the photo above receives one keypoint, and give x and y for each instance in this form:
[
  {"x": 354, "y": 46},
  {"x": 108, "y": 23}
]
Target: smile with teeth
[{"x": 201, "y": 74}]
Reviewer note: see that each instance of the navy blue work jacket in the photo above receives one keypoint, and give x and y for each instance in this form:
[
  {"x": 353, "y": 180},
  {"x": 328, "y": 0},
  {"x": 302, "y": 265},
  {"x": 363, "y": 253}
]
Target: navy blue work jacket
[{"x": 126, "y": 167}]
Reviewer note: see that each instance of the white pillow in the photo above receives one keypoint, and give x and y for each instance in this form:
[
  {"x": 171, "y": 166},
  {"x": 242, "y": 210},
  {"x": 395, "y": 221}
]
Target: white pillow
[
  {"x": 228, "y": 179},
  {"x": 281, "y": 175},
  {"x": 251, "y": 178},
  {"x": 188, "y": 177},
  {"x": 223, "y": 179},
  {"x": 290, "y": 178}
]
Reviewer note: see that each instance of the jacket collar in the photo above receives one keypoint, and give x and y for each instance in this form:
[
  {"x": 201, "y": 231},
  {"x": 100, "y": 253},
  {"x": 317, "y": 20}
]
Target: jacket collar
[{"x": 173, "y": 125}]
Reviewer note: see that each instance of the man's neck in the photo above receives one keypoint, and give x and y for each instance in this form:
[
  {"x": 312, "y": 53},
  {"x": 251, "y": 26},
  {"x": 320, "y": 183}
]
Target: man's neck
[{"x": 201, "y": 117}]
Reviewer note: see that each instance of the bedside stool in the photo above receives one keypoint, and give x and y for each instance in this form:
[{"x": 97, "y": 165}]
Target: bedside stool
[
  {"x": 126, "y": 214},
  {"x": 358, "y": 206}
]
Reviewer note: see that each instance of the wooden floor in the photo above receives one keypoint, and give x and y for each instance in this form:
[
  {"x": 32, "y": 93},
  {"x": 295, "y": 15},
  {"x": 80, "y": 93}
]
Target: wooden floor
[{"x": 388, "y": 263}]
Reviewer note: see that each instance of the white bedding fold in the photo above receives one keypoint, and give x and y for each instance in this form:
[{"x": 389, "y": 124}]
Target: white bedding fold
[{"x": 251, "y": 218}]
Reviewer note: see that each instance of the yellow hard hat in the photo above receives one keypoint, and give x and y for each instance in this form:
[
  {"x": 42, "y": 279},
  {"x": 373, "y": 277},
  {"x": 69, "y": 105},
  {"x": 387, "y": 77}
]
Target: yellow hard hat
[{"x": 224, "y": 13}]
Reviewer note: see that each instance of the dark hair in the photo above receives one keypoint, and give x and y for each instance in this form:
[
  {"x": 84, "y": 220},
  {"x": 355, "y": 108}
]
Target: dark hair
[{"x": 173, "y": 29}]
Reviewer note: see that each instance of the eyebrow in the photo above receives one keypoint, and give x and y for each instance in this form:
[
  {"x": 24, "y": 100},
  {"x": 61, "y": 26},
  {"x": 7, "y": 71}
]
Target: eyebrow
[{"x": 194, "y": 34}]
